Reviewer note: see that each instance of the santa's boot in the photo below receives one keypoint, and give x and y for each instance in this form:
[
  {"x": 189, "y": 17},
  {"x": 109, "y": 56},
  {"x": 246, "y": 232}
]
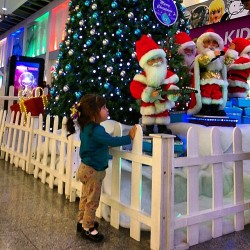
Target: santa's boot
[
  {"x": 149, "y": 130},
  {"x": 162, "y": 129},
  {"x": 206, "y": 110},
  {"x": 216, "y": 111}
]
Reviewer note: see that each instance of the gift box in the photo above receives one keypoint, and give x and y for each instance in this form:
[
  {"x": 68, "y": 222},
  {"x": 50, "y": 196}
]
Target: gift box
[
  {"x": 246, "y": 119},
  {"x": 16, "y": 108},
  {"x": 241, "y": 102},
  {"x": 234, "y": 113},
  {"x": 34, "y": 104}
]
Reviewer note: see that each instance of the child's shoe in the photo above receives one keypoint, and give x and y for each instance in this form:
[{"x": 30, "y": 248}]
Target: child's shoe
[{"x": 93, "y": 237}]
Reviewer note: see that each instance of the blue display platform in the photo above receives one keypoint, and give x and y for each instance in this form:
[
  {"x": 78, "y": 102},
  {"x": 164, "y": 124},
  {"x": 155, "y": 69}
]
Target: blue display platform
[{"x": 213, "y": 121}]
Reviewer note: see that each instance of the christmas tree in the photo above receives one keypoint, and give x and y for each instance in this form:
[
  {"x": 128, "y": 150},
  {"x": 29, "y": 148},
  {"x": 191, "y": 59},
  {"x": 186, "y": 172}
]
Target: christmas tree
[{"x": 98, "y": 53}]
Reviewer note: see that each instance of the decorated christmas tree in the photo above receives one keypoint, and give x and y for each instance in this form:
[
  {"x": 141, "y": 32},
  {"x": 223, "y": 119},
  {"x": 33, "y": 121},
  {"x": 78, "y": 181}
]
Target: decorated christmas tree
[{"x": 98, "y": 52}]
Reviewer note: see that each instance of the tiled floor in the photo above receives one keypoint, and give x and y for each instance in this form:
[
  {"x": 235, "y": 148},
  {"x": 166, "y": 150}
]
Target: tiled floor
[{"x": 33, "y": 216}]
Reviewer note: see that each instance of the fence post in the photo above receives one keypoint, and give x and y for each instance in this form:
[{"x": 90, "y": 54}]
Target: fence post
[
  {"x": 162, "y": 205},
  {"x": 238, "y": 180}
]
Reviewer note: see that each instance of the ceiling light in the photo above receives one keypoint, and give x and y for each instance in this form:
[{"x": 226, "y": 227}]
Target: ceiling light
[{"x": 4, "y": 8}]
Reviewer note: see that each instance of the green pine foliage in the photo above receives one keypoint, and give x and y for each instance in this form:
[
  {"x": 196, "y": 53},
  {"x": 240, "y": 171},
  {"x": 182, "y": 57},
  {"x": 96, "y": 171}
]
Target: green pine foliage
[{"x": 98, "y": 54}]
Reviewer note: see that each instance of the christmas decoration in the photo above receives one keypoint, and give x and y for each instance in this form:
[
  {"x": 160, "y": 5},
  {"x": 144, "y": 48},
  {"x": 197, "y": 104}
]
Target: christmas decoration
[{"x": 99, "y": 48}]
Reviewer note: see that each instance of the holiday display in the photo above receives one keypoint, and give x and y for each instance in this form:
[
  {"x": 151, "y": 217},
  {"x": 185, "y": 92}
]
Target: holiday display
[
  {"x": 210, "y": 75},
  {"x": 239, "y": 70},
  {"x": 98, "y": 54},
  {"x": 154, "y": 105}
]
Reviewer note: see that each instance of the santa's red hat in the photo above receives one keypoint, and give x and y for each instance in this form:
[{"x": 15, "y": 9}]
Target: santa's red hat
[
  {"x": 242, "y": 45},
  {"x": 146, "y": 49},
  {"x": 212, "y": 35},
  {"x": 184, "y": 40}
]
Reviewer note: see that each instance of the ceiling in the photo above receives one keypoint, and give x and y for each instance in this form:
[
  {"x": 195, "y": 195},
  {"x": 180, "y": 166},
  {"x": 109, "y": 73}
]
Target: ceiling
[{"x": 17, "y": 11}]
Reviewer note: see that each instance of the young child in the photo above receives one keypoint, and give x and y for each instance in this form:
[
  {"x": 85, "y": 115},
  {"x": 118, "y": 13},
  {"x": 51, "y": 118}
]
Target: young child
[{"x": 94, "y": 153}]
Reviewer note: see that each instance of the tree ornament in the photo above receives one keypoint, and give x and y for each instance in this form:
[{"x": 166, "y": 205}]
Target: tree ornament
[
  {"x": 106, "y": 85},
  {"x": 81, "y": 23},
  {"x": 118, "y": 54},
  {"x": 79, "y": 14},
  {"x": 71, "y": 52},
  {"x": 130, "y": 15},
  {"x": 69, "y": 31},
  {"x": 78, "y": 95},
  {"x": 137, "y": 32},
  {"x": 75, "y": 36},
  {"x": 114, "y": 5},
  {"x": 77, "y": 7},
  {"x": 92, "y": 59},
  {"x": 146, "y": 17},
  {"x": 92, "y": 32},
  {"x": 60, "y": 72},
  {"x": 68, "y": 67},
  {"x": 87, "y": 3},
  {"x": 109, "y": 69},
  {"x": 57, "y": 98},
  {"x": 95, "y": 15},
  {"x": 72, "y": 19},
  {"x": 65, "y": 88},
  {"x": 118, "y": 32},
  {"x": 88, "y": 42},
  {"x": 134, "y": 54},
  {"x": 123, "y": 73},
  {"x": 94, "y": 6},
  {"x": 67, "y": 42},
  {"x": 105, "y": 42}
]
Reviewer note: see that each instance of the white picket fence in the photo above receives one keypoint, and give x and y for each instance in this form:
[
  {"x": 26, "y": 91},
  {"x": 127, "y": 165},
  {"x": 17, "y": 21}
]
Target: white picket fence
[{"x": 53, "y": 158}]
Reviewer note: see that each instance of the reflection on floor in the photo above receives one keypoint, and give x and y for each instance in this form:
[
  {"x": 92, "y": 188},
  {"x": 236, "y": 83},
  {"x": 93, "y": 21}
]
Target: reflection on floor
[{"x": 33, "y": 216}]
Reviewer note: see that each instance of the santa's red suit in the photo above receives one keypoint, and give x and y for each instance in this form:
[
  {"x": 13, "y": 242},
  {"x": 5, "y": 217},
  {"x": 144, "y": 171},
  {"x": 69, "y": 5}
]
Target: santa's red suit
[
  {"x": 154, "y": 110},
  {"x": 210, "y": 77},
  {"x": 187, "y": 48},
  {"x": 239, "y": 70}
]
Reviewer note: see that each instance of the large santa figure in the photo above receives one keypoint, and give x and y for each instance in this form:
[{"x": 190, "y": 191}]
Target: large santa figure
[
  {"x": 210, "y": 75},
  {"x": 187, "y": 48},
  {"x": 148, "y": 85},
  {"x": 239, "y": 71}
]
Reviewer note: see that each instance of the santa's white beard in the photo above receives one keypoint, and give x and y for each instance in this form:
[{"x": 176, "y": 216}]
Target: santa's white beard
[
  {"x": 189, "y": 61},
  {"x": 155, "y": 74},
  {"x": 217, "y": 64}
]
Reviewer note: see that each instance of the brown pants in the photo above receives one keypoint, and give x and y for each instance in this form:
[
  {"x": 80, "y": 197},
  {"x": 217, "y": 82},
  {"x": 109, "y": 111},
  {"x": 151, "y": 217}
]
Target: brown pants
[{"x": 91, "y": 192}]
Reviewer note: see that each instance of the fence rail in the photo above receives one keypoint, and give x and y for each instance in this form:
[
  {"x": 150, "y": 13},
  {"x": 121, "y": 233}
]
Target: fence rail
[{"x": 53, "y": 158}]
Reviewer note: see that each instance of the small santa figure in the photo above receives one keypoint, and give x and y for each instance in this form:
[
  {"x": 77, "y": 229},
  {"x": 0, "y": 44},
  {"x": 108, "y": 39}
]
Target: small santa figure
[
  {"x": 239, "y": 71},
  {"x": 148, "y": 85},
  {"x": 210, "y": 75},
  {"x": 187, "y": 48}
]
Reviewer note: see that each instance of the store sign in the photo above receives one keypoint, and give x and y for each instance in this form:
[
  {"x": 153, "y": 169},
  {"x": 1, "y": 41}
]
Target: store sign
[
  {"x": 165, "y": 11},
  {"x": 238, "y": 27}
]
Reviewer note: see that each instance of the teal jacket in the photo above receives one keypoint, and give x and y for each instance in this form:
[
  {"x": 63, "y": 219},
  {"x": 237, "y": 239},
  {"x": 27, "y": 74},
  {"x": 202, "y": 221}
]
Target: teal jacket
[{"x": 95, "y": 143}]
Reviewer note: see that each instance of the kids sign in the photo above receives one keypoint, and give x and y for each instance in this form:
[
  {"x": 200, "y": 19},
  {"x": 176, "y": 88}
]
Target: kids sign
[{"x": 165, "y": 11}]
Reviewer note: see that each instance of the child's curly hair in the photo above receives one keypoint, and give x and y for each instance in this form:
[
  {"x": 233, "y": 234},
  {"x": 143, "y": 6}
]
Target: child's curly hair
[{"x": 88, "y": 110}]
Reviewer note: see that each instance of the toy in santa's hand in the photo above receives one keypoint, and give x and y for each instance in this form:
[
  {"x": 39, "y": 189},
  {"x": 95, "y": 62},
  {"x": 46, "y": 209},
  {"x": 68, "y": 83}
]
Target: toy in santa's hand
[
  {"x": 187, "y": 48},
  {"x": 145, "y": 86},
  {"x": 239, "y": 70},
  {"x": 210, "y": 75}
]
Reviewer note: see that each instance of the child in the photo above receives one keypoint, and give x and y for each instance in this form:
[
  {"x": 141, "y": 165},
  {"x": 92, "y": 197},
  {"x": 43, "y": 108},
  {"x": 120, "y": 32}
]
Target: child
[{"x": 94, "y": 153}]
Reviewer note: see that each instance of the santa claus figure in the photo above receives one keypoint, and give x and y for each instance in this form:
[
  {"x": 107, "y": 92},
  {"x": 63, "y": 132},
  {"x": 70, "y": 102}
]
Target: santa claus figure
[
  {"x": 148, "y": 86},
  {"x": 210, "y": 75},
  {"x": 187, "y": 48},
  {"x": 239, "y": 71}
]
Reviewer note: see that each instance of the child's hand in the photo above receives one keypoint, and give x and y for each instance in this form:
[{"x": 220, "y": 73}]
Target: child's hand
[{"x": 132, "y": 132}]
